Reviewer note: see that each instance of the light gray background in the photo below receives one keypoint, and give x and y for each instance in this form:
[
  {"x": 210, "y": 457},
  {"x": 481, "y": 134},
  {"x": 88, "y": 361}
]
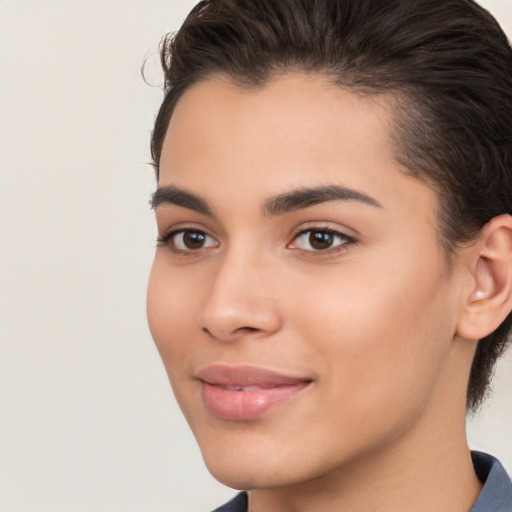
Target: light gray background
[{"x": 87, "y": 420}]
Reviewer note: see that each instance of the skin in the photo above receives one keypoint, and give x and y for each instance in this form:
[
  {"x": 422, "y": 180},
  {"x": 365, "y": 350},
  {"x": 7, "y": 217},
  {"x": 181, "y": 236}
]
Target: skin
[{"x": 373, "y": 321}]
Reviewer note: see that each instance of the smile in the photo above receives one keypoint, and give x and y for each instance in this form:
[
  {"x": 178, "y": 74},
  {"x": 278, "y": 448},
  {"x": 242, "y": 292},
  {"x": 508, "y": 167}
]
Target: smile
[{"x": 245, "y": 393}]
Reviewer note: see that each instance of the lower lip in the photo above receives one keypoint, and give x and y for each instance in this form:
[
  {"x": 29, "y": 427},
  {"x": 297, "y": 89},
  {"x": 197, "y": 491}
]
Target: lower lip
[{"x": 246, "y": 405}]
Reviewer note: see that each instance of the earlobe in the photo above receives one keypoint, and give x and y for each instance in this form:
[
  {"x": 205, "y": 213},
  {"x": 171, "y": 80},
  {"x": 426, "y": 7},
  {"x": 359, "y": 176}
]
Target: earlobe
[{"x": 490, "y": 299}]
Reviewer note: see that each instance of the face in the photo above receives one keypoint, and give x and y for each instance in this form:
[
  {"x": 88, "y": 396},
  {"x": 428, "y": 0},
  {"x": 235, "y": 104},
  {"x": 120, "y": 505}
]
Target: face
[{"x": 299, "y": 297}]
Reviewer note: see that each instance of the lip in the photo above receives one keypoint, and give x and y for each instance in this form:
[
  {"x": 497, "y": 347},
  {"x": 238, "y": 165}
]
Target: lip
[{"x": 242, "y": 393}]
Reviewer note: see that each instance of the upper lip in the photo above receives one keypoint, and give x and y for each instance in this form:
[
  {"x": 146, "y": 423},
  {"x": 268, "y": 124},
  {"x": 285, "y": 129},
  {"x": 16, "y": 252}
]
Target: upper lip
[{"x": 242, "y": 376}]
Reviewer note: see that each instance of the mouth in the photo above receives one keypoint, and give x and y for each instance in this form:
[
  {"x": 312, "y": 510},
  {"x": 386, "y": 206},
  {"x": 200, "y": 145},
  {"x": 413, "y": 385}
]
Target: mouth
[{"x": 245, "y": 393}]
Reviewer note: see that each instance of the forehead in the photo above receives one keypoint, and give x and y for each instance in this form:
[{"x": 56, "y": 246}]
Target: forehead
[
  {"x": 294, "y": 105},
  {"x": 292, "y": 112},
  {"x": 298, "y": 130}
]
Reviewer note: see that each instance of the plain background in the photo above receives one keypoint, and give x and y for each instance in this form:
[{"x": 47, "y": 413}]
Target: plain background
[{"x": 87, "y": 420}]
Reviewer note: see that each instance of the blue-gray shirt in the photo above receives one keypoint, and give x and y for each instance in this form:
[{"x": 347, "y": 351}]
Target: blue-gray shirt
[{"x": 496, "y": 496}]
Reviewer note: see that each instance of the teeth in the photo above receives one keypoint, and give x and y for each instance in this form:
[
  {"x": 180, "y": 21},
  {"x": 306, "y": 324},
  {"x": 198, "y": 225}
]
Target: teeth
[{"x": 242, "y": 388}]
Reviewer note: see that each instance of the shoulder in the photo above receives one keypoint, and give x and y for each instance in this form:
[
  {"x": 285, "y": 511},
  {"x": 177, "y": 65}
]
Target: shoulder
[{"x": 237, "y": 504}]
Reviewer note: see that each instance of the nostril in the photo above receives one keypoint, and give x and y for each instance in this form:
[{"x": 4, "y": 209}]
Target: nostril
[
  {"x": 240, "y": 331},
  {"x": 247, "y": 329}
]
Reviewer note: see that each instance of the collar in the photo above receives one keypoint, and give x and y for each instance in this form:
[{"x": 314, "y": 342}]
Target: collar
[{"x": 496, "y": 496}]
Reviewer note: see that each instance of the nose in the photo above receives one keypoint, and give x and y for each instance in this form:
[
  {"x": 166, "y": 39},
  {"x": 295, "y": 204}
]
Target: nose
[{"x": 242, "y": 301}]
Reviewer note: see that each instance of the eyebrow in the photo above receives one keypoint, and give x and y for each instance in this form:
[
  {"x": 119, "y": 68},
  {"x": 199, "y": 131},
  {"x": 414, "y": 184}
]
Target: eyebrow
[
  {"x": 306, "y": 197},
  {"x": 277, "y": 205},
  {"x": 179, "y": 197}
]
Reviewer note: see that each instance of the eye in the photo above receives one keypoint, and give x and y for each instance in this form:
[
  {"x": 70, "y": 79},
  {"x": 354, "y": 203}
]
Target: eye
[
  {"x": 320, "y": 240},
  {"x": 187, "y": 240}
]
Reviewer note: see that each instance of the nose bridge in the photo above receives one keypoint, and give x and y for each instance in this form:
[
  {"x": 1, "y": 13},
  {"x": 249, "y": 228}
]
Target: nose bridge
[{"x": 241, "y": 297}]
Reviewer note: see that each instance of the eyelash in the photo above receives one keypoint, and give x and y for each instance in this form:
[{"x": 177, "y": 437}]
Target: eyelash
[{"x": 167, "y": 240}]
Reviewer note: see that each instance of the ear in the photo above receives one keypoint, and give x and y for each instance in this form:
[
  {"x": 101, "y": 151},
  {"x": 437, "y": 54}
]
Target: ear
[{"x": 489, "y": 300}]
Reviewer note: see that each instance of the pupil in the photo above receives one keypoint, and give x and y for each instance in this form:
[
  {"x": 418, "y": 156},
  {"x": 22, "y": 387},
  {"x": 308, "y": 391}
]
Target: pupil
[
  {"x": 193, "y": 239},
  {"x": 320, "y": 239}
]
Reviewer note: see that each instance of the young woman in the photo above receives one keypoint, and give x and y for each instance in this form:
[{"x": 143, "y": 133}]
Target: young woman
[{"x": 333, "y": 279}]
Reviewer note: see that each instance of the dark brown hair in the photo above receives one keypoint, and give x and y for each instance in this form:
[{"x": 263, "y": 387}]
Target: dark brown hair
[{"x": 447, "y": 63}]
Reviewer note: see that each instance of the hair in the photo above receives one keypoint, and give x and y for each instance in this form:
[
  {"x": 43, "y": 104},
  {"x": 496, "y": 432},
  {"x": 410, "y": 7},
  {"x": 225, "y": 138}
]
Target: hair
[{"x": 448, "y": 66}]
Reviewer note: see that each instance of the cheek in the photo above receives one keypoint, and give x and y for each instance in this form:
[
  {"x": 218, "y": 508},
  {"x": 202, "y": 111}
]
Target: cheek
[
  {"x": 383, "y": 333},
  {"x": 169, "y": 307}
]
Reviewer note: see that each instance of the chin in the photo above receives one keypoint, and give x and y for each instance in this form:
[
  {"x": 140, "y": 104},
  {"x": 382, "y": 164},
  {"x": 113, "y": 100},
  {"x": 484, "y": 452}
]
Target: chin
[
  {"x": 238, "y": 481},
  {"x": 250, "y": 465},
  {"x": 260, "y": 464},
  {"x": 244, "y": 475}
]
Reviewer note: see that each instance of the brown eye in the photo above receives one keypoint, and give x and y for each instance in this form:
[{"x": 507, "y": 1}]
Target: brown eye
[
  {"x": 193, "y": 239},
  {"x": 320, "y": 240},
  {"x": 188, "y": 240}
]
